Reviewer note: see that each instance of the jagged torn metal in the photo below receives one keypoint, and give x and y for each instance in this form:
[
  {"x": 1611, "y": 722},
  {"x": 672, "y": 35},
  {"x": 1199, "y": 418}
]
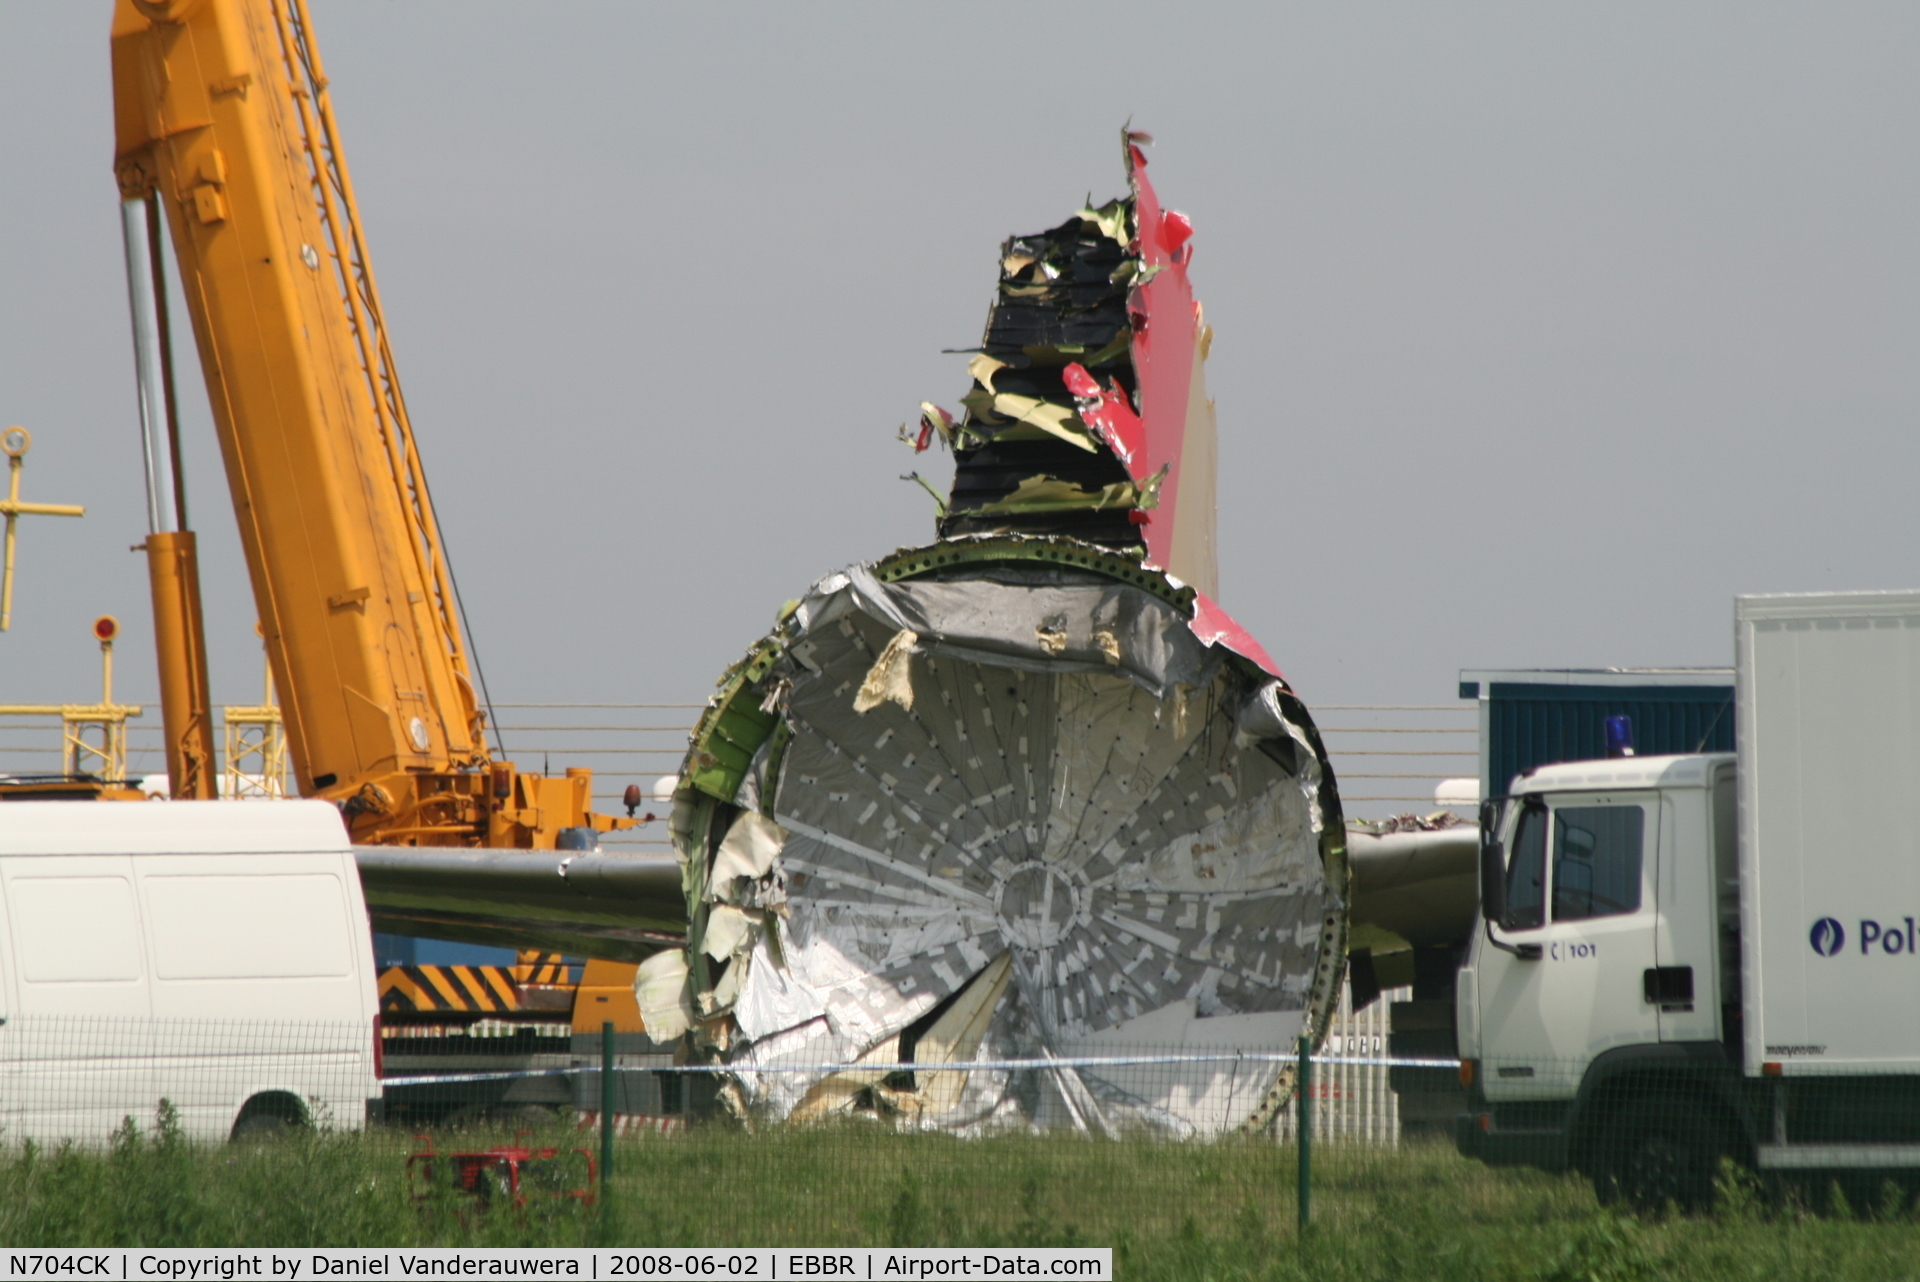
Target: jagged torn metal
[{"x": 1010, "y": 809}]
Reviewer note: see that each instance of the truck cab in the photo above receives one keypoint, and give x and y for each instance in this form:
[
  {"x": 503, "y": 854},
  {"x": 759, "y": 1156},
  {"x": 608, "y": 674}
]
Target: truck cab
[{"x": 1598, "y": 1009}]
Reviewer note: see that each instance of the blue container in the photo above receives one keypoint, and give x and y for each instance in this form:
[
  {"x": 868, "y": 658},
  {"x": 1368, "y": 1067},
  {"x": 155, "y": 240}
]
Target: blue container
[{"x": 1538, "y": 717}]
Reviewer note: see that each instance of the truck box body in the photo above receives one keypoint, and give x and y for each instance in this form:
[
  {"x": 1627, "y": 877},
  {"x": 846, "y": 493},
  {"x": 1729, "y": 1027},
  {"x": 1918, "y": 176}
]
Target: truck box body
[
  {"x": 214, "y": 954},
  {"x": 1829, "y": 768}
]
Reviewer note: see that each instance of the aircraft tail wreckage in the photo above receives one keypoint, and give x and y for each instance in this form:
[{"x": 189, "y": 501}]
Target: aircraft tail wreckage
[{"x": 1026, "y": 792}]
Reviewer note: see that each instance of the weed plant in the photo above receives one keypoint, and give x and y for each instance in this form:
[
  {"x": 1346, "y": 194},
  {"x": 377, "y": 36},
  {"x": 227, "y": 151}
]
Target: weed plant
[{"x": 1222, "y": 1210}]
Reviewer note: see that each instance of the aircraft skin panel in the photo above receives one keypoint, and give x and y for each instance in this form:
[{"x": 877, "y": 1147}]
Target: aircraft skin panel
[
  {"x": 620, "y": 907},
  {"x": 1166, "y": 336}
]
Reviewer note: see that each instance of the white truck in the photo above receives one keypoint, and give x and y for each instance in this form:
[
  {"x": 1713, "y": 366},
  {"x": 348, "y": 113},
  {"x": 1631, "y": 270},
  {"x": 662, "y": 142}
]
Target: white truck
[
  {"x": 1686, "y": 958},
  {"x": 214, "y": 954}
]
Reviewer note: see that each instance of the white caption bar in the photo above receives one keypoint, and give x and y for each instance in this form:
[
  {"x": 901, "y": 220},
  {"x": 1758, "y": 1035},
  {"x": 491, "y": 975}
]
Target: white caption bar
[{"x": 756, "y": 1264}]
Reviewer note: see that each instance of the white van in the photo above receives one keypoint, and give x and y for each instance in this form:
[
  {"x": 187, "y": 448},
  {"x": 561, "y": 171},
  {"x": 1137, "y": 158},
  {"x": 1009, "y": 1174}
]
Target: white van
[{"x": 214, "y": 954}]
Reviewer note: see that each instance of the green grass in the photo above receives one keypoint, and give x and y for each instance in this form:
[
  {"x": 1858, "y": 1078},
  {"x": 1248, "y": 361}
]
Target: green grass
[{"x": 1174, "y": 1211}]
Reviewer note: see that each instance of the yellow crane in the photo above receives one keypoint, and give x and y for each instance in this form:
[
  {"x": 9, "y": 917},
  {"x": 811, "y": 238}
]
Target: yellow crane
[{"x": 225, "y": 133}]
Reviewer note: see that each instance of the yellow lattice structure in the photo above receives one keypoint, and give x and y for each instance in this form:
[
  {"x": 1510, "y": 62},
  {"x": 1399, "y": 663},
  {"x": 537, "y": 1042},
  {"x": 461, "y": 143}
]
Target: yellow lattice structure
[
  {"x": 93, "y": 735},
  {"x": 256, "y": 752},
  {"x": 94, "y": 738},
  {"x": 256, "y": 749}
]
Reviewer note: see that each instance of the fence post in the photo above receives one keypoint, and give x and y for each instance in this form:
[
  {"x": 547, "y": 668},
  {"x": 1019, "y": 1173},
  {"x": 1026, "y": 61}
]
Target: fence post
[
  {"x": 606, "y": 1107},
  {"x": 1303, "y": 1101}
]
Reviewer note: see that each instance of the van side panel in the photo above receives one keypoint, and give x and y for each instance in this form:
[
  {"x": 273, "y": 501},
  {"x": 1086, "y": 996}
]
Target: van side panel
[
  {"x": 258, "y": 984},
  {"x": 362, "y": 934},
  {"x": 250, "y": 937},
  {"x": 76, "y": 936}
]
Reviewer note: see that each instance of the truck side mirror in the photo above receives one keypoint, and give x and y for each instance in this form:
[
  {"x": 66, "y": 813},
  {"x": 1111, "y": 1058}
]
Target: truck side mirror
[{"x": 1493, "y": 868}]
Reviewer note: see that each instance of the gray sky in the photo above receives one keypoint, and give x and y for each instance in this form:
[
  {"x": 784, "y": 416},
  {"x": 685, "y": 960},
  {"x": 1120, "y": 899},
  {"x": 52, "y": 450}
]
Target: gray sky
[{"x": 1541, "y": 329}]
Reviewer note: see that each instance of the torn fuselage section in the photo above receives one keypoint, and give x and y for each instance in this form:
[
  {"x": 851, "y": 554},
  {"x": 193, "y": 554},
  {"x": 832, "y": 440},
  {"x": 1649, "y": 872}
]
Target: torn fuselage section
[
  {"x": 1088, "y": 415},
  {"x": 1024, "y": 458},
  {"x": 996, "y": 800}
]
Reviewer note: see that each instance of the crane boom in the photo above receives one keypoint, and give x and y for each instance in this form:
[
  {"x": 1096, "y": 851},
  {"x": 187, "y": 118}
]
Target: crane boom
[{"x": 222, "y": 110}]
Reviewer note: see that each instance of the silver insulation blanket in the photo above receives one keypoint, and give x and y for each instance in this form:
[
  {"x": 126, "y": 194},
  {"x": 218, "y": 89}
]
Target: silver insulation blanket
[{"x": 1019, "y": 814}]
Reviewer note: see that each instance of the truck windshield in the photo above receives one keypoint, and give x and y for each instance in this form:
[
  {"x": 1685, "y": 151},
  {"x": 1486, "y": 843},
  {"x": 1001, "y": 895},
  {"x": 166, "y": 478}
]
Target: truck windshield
[
  {"x": 1526, "y": 871},
  {"x": 1596, "y": 861}
]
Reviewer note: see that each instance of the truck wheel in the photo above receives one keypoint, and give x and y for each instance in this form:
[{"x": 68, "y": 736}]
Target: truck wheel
[{"x": 1656, "y": 1155}]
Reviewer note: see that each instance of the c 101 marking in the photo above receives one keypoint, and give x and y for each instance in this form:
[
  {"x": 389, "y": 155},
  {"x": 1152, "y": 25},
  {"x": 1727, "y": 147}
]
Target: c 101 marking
[{"x": 701, "y": 1264}]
